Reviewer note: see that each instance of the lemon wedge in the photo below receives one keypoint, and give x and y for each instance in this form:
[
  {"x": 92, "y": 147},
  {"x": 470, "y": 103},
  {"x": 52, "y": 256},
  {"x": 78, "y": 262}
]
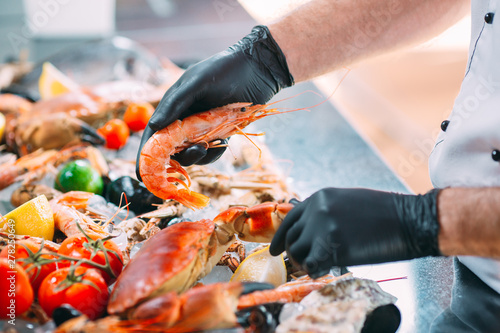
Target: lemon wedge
[
  {"x": 261, "y": 266},
  {"x": 53, "y": 82},
  {"x": 33, "y": 218},
  {"x": 2, "y": 125}
]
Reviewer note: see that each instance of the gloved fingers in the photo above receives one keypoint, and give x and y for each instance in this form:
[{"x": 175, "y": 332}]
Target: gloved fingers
[
  {"x": 299, "y": 249},
  {"x": 198, "y": 154},
  {"x": 294, "y": 201},
  {"x": 293, "y": 234},
  {"x": 320, "y": 258},
  {"x": 175, "y": 102},
  {"x": 278, "y": 243},
  {"x": 191, "y": 155},
  {"x": 317, "y": 272},
  {"x": 147, "y": 133},
  {"x": 213, "y": 154}
]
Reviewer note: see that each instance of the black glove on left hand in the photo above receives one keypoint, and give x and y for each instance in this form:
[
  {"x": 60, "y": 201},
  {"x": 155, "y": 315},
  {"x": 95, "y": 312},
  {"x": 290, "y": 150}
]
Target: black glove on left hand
[
  {"x": 252, "y": 70},
  {"x": 345, "y": 227}
]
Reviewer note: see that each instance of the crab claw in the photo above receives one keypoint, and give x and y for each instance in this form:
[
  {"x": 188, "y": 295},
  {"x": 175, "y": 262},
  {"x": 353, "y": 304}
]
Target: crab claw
[
  {"x": 255, "y": 224},
  {"x": 89, "y": 134},
  {"x": 201, "y": 308},
  {"x": 54, "y": 131}
]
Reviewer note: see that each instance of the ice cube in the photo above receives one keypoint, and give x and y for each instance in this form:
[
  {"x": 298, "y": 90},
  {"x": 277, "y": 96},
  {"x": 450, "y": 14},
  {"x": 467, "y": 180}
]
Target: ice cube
[{"x": 218, "y": 274}]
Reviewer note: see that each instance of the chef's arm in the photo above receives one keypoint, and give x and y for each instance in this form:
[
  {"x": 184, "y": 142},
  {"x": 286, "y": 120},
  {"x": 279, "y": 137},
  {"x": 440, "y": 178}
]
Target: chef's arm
[
  {"x": 469, "y": 221},
  {"x": 324, "y": 35},
  {"x": 346, "y": 227}
]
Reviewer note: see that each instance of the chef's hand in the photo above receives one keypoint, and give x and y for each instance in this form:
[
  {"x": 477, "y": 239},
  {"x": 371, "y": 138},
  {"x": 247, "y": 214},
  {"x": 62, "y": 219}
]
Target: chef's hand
[
  {"x": 253, "y": 70},
  {"x": 345, "y": 227}
]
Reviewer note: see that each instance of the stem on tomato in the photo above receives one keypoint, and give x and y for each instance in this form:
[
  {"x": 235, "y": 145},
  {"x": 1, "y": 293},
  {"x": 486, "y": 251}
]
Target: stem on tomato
[
  {"x": 106, "y": 268},
  {"x": 36, "y": 260},
  {"x": 71, "y": 279},
  {"x": 94, "y": 246},
  {"x": 98, "y": 245}
]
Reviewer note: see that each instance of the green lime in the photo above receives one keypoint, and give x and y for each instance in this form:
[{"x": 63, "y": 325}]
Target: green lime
[{"x": 79, "y": 176}]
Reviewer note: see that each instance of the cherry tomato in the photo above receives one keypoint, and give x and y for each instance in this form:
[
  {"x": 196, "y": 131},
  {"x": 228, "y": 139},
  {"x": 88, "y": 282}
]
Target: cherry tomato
[
  {"x": 35, "y": 267},
  {"x": 16, "y": 294},
  {"x": 85, "y": 290},
  {"x": 115, "y": 132},
  {"x": 79, "y": 247},
  {"x": 137, "y": 116}
]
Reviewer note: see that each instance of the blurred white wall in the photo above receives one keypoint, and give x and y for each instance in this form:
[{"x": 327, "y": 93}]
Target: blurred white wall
[{"x": 65, "y": 18}]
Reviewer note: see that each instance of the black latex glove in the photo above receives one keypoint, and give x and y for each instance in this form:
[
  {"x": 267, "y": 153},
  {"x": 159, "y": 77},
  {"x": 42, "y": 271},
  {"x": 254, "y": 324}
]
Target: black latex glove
[
  {"x": 346, "y": 227},
  {"x": 253, "y": 70}
]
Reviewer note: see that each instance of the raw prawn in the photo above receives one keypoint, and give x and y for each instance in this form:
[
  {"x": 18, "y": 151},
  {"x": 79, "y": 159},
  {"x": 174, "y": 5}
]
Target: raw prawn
[
  {"x": 37, "y": 163},
  {"x": 293, "y": 291},
  {"x": 66, "y": 214},
  {"x": 13, "y": 170},
  {"x": 156, "y": 166}
]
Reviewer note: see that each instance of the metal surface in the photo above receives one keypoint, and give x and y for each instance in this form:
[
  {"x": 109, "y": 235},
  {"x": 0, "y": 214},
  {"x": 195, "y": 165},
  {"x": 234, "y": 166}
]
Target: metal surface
[{"x": 322, "y": 150}]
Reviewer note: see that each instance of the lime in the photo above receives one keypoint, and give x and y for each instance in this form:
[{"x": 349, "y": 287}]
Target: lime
[
  {"x": 79, "y": 176},
  {"x": 33, "y": 218}
]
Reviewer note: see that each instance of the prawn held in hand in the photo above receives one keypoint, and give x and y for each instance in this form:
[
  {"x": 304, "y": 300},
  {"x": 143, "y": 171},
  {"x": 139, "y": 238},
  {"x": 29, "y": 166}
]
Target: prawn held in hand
[{"x": 156, "y": 166}]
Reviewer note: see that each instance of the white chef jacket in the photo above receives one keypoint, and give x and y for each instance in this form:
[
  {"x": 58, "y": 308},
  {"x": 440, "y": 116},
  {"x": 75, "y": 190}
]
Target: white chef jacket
[{"x": 465, "y": 151}]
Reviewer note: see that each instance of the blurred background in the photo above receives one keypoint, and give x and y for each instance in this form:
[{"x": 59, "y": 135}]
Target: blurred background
[{"x": 396, "y": 102}]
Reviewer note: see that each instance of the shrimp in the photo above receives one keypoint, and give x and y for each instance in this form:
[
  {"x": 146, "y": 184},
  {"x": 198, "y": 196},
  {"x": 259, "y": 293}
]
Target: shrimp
[
  {"x": 293, "y": 291},
  {"x": 13, "y": 169},
  {"x": 36, "y": 164},
  {"x": 156, "y": 166},
  {"x": 66, "y": 215}
]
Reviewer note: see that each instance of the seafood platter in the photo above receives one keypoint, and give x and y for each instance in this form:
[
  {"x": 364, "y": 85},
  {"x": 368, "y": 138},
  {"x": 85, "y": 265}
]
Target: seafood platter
[{"x": 93, "y": 249}]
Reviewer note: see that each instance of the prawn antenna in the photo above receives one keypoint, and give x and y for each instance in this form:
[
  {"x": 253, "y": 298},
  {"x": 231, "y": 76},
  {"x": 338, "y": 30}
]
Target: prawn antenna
[
  {"x": 393, "y": 279},
  {"x": 348, "y": 70},
  {"x": 246, "y": 136}
]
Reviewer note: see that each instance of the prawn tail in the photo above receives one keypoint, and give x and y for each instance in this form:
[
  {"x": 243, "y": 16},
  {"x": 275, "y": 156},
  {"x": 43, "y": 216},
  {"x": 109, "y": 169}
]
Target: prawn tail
[{"x": 192, "y": 199}]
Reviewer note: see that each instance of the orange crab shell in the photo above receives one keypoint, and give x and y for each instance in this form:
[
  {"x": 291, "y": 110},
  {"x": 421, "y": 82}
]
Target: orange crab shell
[{"x": 157, "y": 265}]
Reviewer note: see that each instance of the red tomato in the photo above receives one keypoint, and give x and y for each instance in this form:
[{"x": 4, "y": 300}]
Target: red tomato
[
  {"x": 79, "y": 247},
  {"x": 84, "y": 297},
  {"x": 36, "y": 270},
  {"x": 137, "y": 116},
  {"x": 16, "y": 294},
  {"x": 115, "y": 132}
]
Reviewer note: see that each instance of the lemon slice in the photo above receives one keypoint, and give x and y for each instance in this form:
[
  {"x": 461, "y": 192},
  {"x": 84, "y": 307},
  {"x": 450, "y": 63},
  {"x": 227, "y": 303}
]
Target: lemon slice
[
  {"x": 33, "y": 218},
  {"x": 2, "y": 125},
  {"x": 261, "y": 266},
  {"x": 53, "y": 82}
]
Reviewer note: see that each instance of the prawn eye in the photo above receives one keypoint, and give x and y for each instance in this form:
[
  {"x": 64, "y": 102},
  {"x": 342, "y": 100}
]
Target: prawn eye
[{"x": 243, "y": 109}]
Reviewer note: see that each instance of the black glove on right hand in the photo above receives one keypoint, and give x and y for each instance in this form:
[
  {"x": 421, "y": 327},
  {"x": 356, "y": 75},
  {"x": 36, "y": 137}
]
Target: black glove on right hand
[
  {"x": 345, "y": 227},
  {"x": 253, "y": 70}
]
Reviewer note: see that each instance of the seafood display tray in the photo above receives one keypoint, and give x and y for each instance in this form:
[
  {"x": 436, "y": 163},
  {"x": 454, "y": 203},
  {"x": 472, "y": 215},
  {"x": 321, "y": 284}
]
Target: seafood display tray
[{"x": 319, "y": 148}]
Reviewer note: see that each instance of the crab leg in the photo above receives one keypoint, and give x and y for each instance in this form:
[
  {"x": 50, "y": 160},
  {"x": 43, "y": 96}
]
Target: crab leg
[
  {"x": 255, "y": 224},
  {"x": 201, "y": 308}
]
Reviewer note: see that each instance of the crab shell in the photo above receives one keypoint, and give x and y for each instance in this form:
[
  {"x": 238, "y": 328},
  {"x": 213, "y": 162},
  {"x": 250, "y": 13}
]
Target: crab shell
[{"x": 157, "y": 265}]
